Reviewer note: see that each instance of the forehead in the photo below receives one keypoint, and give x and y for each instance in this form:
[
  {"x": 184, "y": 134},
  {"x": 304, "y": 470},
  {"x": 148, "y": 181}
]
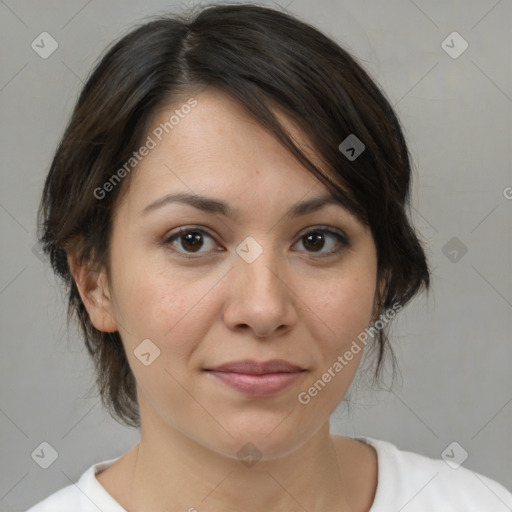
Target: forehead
[
  {"x": 217, "y": 150},
  {"x": 217, "y": 145}
]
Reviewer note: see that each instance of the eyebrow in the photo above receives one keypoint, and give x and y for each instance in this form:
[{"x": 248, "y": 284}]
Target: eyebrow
[{"x": 216, "y": 206}]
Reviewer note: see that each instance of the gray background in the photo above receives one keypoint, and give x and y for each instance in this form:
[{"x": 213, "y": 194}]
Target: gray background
[{"x": 454, "y": 349}]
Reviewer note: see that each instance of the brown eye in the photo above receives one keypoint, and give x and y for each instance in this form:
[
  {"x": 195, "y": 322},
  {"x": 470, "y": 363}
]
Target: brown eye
[
  {"x": 189, "y": 241},
  {"x": 316, "y": 240}
]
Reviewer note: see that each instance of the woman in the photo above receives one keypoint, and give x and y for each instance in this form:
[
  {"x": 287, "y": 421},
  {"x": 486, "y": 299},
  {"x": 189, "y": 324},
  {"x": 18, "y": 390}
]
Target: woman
[{"x": 228, "y": 209}]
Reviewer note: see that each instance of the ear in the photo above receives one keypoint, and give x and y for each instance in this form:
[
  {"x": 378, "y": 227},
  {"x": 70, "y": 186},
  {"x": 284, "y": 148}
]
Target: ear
[{"x": 94, "y": 291}]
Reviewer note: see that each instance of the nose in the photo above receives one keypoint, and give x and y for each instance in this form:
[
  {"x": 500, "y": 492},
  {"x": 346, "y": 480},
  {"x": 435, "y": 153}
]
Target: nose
[{"x": 260, "y": 297}]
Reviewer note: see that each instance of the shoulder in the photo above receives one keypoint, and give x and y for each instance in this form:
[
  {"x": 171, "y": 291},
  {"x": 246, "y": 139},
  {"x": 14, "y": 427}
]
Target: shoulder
[
  {"x": 86, "y": 495},
  {"x": 418, "y": 483}
]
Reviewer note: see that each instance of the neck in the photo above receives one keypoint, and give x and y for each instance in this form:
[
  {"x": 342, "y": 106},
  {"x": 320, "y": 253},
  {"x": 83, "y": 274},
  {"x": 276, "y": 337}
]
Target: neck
[{"x": 171, "y": 471}]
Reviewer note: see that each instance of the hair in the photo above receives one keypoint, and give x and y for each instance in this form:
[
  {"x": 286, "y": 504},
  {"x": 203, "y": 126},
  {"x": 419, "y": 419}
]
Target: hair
[{"x": 266, "y": 59}]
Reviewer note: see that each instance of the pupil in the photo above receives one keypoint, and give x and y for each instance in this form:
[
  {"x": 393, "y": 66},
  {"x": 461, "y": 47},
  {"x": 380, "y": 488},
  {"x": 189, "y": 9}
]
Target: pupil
[
  {"x": 192, "y": 238},
  {"x": 318, "y": 237},
  {"x": 192, "y": 241}
]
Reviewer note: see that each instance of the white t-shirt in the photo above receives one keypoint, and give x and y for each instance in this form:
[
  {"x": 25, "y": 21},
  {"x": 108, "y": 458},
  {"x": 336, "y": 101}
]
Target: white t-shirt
[{"x": 407, "y": 482}]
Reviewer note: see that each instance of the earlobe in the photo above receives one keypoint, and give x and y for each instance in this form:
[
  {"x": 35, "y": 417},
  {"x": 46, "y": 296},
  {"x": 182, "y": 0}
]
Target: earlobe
[{"x": 95, "y": 294}]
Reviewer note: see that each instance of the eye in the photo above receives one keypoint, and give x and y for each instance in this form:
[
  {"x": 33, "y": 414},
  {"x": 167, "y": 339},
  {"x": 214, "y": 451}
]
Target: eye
[
  {"x": 190, "y": 239},
  {"x": 314, "y": 241}
]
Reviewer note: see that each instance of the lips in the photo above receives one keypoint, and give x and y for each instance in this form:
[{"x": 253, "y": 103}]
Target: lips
[
  {"x": 257, "y": 379},
  {"x": 253, "y": 367}
]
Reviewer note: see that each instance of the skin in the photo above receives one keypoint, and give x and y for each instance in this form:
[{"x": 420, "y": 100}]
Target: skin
[{"x": 288, "y": 303}]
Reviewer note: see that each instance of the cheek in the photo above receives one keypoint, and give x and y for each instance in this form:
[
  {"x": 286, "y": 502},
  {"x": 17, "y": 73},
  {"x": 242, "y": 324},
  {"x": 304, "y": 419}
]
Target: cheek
[
  {"x": 338, "y": 316},
  {"x": 344, "y": 307},
  {"x": 169, "y": 308}
]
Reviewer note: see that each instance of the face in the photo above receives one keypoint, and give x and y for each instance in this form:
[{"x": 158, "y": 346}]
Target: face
[{"x": 207, "y": 288}]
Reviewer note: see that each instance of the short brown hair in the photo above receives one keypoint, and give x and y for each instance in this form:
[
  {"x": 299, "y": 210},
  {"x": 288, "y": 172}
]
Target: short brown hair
[{"x": 263, "y": 58}]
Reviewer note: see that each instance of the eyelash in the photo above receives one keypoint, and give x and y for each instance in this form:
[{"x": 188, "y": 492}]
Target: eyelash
[{"x": 343, "y": 241}]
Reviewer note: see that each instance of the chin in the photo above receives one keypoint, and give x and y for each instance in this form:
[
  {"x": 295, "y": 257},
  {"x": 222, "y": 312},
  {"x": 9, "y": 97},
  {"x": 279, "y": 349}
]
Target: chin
[{"x": 264, "y": 440}]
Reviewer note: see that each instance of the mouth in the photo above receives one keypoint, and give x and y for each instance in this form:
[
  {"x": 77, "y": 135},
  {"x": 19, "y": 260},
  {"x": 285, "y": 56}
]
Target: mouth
[
  {"x": 253, "y": 367},
  {"x": 257, "y": 379},
  {"x": 253, "y": 385}
]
